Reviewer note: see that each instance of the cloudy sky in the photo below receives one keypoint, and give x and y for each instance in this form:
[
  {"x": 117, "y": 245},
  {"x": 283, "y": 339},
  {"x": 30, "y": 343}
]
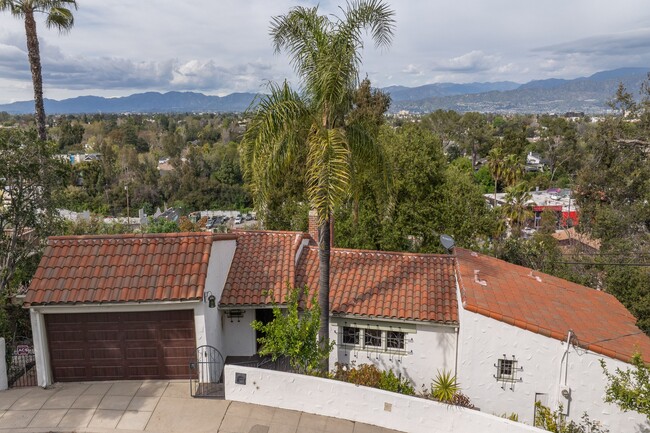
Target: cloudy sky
[{"x": 120, "y": 47}]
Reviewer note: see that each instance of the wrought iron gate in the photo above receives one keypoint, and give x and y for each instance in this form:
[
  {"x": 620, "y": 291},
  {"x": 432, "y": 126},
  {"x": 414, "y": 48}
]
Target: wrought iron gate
[
  {"x": 206, "y": 373},
  {"x": 22, "y": 365}
]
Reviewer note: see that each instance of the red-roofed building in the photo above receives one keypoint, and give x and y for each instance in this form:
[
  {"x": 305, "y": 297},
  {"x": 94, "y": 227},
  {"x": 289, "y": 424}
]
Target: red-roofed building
[
  {"x": 138, "y": 306},
  {"x": 125, "y": 306},
  {"x": 526, "y": 336}
]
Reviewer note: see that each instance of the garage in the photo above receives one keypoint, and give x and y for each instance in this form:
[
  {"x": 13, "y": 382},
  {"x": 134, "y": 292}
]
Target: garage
[{"x": 120, "y": 346}]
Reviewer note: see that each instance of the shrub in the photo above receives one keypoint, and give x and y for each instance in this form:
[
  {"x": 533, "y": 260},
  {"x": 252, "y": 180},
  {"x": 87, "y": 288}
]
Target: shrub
[
  {"x": 370, "y": 375},
  {"x": 460, "y": 399},
  {"x": 444, "y": 387},
  {"x": 555, "y": 422},
  {"x": 389, "y": 382},
  {"x": 512, "y": 416}
]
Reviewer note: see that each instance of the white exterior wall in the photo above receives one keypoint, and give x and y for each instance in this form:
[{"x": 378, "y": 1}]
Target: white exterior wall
[
  {"x": 429, "y": 349},
  {"x": 239, "y": 336},
  {"x": 482, "y": 341},
  {"x": 218, "y": 268},
  {"x": 362, "y": 404}
]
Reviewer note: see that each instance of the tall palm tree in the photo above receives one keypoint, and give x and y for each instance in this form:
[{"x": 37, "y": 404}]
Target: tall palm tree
[
  {"x": 496, "y": 165},
  {"x": 517, "y": 207},
  {"x": 58, "y": 15},
  {"x": 512, "y": 170},
  {"x": 325, "y": 53}
]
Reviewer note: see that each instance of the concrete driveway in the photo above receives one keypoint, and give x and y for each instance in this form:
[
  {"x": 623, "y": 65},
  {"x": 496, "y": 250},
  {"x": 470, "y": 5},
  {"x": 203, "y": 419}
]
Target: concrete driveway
[{"x": 152, "y": 406}]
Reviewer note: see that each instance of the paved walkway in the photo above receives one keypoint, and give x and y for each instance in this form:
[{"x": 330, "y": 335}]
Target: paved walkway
[{"x": 152, "y": 406}]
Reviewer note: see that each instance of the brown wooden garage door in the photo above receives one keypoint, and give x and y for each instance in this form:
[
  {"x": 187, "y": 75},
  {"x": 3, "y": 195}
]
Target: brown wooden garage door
[{"x": 112, "y": 346}]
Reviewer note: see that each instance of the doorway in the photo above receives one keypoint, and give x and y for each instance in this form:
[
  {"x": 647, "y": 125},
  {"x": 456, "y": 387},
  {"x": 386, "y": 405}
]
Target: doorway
[{"x": 264, "y": 316}]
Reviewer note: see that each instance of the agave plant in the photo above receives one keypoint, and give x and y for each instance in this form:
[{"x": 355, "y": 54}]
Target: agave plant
[{"x": 444, "y": 387}]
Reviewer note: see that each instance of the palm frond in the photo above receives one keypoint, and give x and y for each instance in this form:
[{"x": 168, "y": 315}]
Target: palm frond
[
  {"x": 372, "y": 15},
  {"x": 328, "y": 169},
  {"x": 16, "y": 8},
  {"x": 60, "y": 18},
  {"x": 278, "y": 128},
  {"x": 302, "y": 33}
]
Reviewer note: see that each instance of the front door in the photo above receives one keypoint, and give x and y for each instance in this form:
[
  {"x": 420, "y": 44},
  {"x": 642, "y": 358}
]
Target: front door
[{"x": 265, "y": 316}]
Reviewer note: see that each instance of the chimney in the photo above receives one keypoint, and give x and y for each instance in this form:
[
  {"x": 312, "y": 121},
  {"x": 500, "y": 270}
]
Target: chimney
[
  {"x": 313, "y": 224},
  {"x": 313, "y": 227}
]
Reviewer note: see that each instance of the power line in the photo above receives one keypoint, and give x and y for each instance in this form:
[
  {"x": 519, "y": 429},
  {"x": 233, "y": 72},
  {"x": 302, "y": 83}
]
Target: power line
[{"x": 605, "y": 264}]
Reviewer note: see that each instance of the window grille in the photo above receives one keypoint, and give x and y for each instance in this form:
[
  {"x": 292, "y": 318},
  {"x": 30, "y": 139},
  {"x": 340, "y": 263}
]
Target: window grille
[
  {"x": 395, "y": 340},
  {"x": 351, "y": 335},
  {"x": 372, "y": 338},
  {"x": 507, "y": 372}
]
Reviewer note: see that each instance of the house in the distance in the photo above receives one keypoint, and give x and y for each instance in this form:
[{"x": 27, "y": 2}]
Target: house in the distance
[{"x": 138, "y": 306}]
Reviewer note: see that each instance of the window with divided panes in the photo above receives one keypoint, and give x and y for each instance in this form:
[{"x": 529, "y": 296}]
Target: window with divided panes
[{"x": 373, "y": 339}]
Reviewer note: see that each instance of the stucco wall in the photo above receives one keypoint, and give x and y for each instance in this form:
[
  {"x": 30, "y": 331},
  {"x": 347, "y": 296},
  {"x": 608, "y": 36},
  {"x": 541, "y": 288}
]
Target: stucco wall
[
  {"x": 218, "y": 268},
  {"x": 429, "y": 349},
  {"x": 482, "y": 341},
  {"x": 239, "y": 336},
  {"x": 362, "y": 404}
]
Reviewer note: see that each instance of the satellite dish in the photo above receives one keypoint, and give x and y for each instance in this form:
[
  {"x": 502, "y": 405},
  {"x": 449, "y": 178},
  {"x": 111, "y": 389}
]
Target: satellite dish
[{"x": 447, "y": 242}]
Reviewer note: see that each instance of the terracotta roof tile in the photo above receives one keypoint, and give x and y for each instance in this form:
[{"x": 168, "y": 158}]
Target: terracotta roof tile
[
  {"x": 122, "y": 268},
  {"x": 378, "y": 284},
  {"x": 264, "y": 262},
  {"x": 549, "y": 306},
  {"x": 370, "y": 283}
]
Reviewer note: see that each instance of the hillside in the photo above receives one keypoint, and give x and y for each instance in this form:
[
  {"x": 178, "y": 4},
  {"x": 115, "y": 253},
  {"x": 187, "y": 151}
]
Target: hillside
[{"x": 586, "y": 94}]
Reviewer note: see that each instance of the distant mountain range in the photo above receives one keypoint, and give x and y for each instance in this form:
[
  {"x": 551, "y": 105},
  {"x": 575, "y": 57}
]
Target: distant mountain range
[{"x": 586, "y": 94}]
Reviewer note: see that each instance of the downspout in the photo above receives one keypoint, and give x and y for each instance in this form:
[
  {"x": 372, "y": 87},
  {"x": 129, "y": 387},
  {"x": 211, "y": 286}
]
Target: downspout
[
  {"x": 565, "y": 356},
  {"x": 457, "y": 329}
]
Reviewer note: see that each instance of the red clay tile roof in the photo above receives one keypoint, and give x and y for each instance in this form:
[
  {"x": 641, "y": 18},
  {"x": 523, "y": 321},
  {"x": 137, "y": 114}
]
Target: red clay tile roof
[
  {"x": 122, "y": 268},
  {"x": 549, "y": 306},
  {"x": 264, "y": 262},
  {"x": 419, "y": 287}
]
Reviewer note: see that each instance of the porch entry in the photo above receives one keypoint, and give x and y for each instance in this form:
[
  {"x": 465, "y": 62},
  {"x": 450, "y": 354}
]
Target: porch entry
[{"x": 264, "y": 315}]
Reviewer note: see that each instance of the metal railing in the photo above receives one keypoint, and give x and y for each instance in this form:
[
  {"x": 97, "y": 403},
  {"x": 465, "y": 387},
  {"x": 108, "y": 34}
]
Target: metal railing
[{"x": 21, "y": 370}]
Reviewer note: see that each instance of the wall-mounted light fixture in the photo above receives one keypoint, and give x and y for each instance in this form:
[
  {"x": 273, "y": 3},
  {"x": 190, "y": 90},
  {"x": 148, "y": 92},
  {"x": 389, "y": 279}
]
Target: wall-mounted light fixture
[{"x": 210, "y": 299}]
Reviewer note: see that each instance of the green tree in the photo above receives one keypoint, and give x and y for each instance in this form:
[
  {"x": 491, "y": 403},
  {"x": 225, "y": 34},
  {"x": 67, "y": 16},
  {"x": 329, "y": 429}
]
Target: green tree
[
  {"x": 497, "y": 166},
  {"x": 629, "y": 389},
  {"x": 162, "y": 225},
  {"x": 27, "y": 212},
  {"x": 294, "y": 333},
  {"x": 517, "y": 207},
  {"x": 70, "y": 134},
  {"x": 325, "y": 54},
  {"x": 555, "y": 421},
  {"x": 57, "y": 15}
]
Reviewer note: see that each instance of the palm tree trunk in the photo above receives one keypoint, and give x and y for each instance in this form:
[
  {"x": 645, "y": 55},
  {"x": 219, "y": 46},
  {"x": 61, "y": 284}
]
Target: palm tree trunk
[
  {"x": 324, "y": 286},
  {"x": 35, "y": 66}
]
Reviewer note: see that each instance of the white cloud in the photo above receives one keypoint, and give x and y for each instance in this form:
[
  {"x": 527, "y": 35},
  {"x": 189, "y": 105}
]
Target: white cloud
[
  {"x": 474, "y": 61},
  {"x": 120, "y": 47},
  {"x": 412, "y": 69}
]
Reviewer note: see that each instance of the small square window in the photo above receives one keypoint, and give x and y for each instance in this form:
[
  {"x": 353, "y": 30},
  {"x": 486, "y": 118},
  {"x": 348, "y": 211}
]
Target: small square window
[
  {"x": 372, "y": 338},
  {"x": 506, "y": 369},
  {"x": 394, "y": 340},
  {"x": 351, "y": 335}
]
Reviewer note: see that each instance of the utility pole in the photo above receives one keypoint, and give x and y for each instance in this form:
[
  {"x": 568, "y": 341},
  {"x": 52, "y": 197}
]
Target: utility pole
[{"x": 128, "y": 214}]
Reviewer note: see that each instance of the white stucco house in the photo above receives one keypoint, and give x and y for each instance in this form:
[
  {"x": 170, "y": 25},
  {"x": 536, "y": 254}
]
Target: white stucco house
[{"x": 138, "y": 306}]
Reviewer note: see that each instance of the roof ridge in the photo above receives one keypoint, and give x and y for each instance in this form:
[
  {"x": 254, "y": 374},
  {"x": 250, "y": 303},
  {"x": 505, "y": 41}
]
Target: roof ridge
[
  {"x": 548, "y": 278},
  {"x": 134, "y": 236},
  {"x": 269, "y": 232},
  {"x": 389, "y": 253}
]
